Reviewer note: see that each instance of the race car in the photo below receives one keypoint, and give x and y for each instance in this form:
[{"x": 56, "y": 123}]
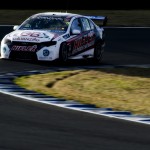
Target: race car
[{"x": 50, "y": 36}]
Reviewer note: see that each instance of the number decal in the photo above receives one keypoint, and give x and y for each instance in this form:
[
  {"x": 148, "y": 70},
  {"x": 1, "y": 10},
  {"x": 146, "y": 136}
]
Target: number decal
[{"x": 32, "y": 34}]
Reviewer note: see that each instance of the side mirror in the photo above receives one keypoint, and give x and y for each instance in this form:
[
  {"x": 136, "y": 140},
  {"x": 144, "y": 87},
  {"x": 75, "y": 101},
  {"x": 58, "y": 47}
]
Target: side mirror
[
  {"x": 15, "y": 27},
  {"x": 76, "y": 31}
]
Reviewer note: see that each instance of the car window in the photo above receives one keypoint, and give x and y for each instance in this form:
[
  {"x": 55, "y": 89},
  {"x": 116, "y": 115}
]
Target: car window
[
  {"x": 55, "y": 24},
  {"x": 92, "y": 25},
  {"x": 76, "y": 25},
  {"x": 85, "y": 24}
]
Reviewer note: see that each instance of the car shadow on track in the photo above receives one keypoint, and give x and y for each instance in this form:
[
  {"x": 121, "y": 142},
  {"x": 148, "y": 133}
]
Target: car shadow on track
[{"x": 69, "y": 63}]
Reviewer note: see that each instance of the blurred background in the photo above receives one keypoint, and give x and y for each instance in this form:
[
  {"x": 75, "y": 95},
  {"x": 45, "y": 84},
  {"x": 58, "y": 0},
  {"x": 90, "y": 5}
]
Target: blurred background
[{"x": 74, "y": 4}]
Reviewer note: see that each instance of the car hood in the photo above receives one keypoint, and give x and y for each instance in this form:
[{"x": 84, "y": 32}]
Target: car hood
[{"x": 31, "y": 36}]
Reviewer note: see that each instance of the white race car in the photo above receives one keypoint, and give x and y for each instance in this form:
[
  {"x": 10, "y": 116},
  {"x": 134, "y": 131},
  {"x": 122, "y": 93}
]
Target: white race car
[{"x": 55, "y": 36}]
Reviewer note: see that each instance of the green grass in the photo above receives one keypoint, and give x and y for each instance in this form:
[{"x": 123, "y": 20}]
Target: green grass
[
  {"x": 115, "y": 17},
  {"x": 120, "y": 89}
]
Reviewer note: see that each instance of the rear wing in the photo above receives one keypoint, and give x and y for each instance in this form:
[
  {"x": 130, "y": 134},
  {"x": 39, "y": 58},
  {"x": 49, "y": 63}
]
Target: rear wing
[{"x": 99, "y": 20}]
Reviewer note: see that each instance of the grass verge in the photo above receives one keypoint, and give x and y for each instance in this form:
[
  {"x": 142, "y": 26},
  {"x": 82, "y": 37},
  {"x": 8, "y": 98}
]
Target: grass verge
[{"x": 121, "y": 89}]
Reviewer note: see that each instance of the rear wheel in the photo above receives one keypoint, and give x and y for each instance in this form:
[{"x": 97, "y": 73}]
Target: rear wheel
[
  {"x": 63, "y": 53},
  {"x": 98, "y": 53}
]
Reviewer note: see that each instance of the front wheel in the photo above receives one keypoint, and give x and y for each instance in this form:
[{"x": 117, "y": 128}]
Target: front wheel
[
  {"x": 98, "y": 53},
  {"x": 63, "y": 53}
]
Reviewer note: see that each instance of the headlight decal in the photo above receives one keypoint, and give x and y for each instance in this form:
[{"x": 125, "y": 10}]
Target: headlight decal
[
  {"x": 4, "y": 49},
  {"x": 7, "y": 41}
]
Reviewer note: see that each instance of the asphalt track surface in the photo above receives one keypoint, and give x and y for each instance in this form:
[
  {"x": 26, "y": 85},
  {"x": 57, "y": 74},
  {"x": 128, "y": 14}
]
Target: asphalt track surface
[{"x": 26, "y": 125}]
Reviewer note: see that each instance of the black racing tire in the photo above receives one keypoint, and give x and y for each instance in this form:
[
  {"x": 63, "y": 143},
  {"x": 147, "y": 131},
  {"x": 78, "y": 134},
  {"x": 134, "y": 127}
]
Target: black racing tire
[
  {"x": 63, "y": 53},
  {"x": 98, "y": 53}
]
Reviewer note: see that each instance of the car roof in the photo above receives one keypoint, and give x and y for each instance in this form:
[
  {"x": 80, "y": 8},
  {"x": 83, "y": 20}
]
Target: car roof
[{"x": 63, "y": 14}]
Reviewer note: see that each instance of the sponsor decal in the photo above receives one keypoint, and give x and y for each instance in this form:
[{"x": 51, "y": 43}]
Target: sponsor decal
[
  {"x": 66, "y": 36},
  {"x": 26, "y": 39},
  {"x": 43, "y": 58},
  {"x": 24, "y": 48},
  {"x": 49, "y": 18},
  {"x": 83, "y": 42},
  {"x": 46, "y": 52}
]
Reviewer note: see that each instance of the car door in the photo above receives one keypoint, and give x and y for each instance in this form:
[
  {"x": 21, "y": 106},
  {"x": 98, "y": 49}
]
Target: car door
[
  {"x": 82, "y": 36},
  {"x": 76, "y": 35},
  {"x": 88, "y": 34}
]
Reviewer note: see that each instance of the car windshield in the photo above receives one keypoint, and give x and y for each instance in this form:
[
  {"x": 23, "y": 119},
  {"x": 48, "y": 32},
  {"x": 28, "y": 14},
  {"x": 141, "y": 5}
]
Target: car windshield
[{"x": 50, "y": 23}]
